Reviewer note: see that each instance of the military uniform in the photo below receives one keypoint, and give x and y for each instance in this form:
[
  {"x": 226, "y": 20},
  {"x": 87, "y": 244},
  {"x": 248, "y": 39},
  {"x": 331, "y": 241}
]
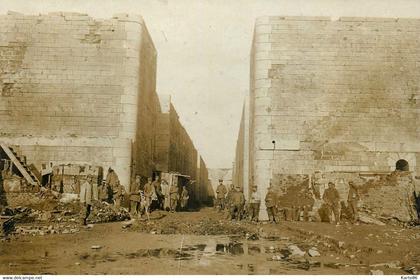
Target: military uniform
[
  {"x": 332, "y": 200},
  {"x": 270, "y": 203},
  {"x": 134, "y": 197},
  {"x": 237, "y": 202},
  {"x": 352, "y": 199},
  {"x": 86, "y": 198},
  {"x": 254, "y": 205},
  {"x": 174, "y": 196},
  {"x": 113, "y": 183},
  {"x": 220, "y": 196}
]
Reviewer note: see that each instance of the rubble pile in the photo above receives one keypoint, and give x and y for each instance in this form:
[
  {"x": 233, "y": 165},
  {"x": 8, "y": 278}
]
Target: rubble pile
[
  {"x": 7, "y": 226},
  {"x": 51, "y": 229},
  {"x": 103, "y": 212},
  {"x": 388, "y": 199},
  {"x": 202, "y": 227}
]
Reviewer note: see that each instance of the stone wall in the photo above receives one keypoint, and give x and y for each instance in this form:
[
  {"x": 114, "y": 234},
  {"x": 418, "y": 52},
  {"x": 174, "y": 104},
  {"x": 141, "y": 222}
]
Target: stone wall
[
  {"x": 240, "y": 176},
  {"x": 175, "y": 151},
  {"x": 334, "y": 96},
  {"x": 78, "y": 90}
]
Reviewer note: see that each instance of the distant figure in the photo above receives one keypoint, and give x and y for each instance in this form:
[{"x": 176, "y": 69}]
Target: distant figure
[
  {"x": 270, "y": 203},
  {"x": 135, "y": 196},
  {"x": 165, "y": 192},
  {"x": 86, "y": 197},
  {"x": 254, "y": 204},
  {"x": 220, "y": 196},
  {"x": 112, "y": 183},
  {"x": 149, "y": 192},
  {"x": 119, "y": 195},
  {"x": 331, "y": 199},
  {"x": 352, "y": 200},
  {"x": 237, "y": 203},
  {"x": 174, "y": 196},
  {"x": 184, "y": 198},
  {"x": 144, "y": 205},
  {"x": 102, "y": 191},
  {"x": 158, "y": 191}
]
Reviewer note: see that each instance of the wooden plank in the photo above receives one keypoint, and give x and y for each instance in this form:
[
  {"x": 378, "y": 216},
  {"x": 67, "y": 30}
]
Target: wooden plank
[{"x": 17, "y": 163}]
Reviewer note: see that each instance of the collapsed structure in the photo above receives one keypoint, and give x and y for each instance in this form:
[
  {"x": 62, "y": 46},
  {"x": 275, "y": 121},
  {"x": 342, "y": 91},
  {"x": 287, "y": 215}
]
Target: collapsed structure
[
  {"x": 78, "y": 95},
  {"x": 333, "y": 100}
]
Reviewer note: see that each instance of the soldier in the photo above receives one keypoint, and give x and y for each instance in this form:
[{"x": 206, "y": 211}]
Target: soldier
[
  {"x": 254, "y": 204},
  {"x": 228, "y": 200},
  {"x": 149, "y": 192},
  {"x": 135, "y": 196},
  {"x": 86, "y": 197},
  {"x": 331, "y": 198},
  {"x": 352, "y": 200},
  {"x": 158, "y": 191},
  {"x": 270, "y": 203},
  {"x": 112, "y": 183},
  {"x": 237, "y": 202},
  {"x": 220, "y": 195},
  {"x": 184, "y": 198},
  {"x": 165, "y": 192},
  {"x": 174, "y": 196}
]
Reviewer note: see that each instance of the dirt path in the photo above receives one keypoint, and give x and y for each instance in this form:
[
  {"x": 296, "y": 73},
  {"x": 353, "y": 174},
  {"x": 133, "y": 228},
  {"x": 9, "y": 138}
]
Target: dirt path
[{"x": 343, "y": 250}]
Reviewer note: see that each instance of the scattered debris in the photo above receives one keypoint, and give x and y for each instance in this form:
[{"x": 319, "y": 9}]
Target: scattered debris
[
  {"x": 376, "y": 272},
  {"x": 313, "y": 252},
  {"x": 411, "y": 270},
  {"x": 369, "y": 220},
  {"x": 295, "y": 251}
]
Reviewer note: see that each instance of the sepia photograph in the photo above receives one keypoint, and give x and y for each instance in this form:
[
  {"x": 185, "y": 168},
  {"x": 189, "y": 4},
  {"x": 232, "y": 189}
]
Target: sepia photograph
[{"x": 207, "y": 137}]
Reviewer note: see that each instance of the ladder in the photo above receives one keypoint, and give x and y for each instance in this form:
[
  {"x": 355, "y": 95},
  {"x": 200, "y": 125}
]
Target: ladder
[{"x": 20, "y": 165}]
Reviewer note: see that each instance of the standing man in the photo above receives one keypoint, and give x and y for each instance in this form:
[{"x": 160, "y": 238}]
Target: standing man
[
  {"x": 135, "y": 196},
  {"x": 112, "y": 183},
  {"x": 184, "y": 198},
  {"x": 86, "y": 197},
  {"x": 270, "y": 203},
  {"x": 331, "y": 198},
  {"x": 254, "y": 204},
  {"x": 149, "y": 192},
  {"x": 174, "y": 196},
  {"x": 220, "y": 195},
  {"x": 237, "y": 202},
  {"x": 165, "y": 192},
  {"x": 352, "y": 200},
  {"x": 158, "y": 191}
]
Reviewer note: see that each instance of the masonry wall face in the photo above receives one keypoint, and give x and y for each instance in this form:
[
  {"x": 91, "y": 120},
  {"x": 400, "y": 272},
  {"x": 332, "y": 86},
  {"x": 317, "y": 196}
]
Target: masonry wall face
[
  {"x": 72, "y": 89},
  {"x": 334, "y": 95}
]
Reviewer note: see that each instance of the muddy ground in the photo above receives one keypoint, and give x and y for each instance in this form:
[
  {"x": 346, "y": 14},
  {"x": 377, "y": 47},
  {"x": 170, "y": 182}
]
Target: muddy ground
[{"x": 203, "y": 242}]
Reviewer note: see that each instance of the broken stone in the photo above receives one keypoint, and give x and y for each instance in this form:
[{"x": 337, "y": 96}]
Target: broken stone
[
  {"x": 128, "y": 224},
  {"x": 296, "y": 251},
  {"x": 340, "y": 244},
  {"x": 96, "y": 247},
  {"x": 370, "y": 220},
  {"x": 376, "y": 272},
  {"x": 411, "y": 270},
  {"x": 277, "y": 257},
  {"x": 313, "y": 252}
]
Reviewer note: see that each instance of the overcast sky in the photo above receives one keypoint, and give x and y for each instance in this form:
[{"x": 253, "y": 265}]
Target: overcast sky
[{"x": 203, "y": 52}]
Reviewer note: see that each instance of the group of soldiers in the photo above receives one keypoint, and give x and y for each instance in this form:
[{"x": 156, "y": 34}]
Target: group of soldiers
[
  {"x": 332, "y": 204},
  {"x": 233, "y": 200},
  {"x": 143, "y": 199}
]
